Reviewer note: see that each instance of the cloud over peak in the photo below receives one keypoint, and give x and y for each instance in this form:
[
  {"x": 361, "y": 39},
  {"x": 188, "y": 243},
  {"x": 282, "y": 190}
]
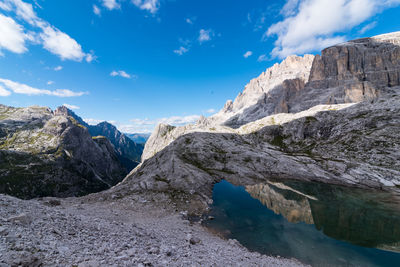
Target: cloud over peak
[{"x": 310, "y": 25}]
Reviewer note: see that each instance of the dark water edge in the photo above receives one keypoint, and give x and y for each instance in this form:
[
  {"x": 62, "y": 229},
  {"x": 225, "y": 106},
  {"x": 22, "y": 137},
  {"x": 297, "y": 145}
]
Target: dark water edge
[{"x": 318, "y": 224}]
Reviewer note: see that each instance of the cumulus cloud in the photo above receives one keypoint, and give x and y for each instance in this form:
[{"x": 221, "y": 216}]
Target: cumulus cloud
[
  {"x": 58, "y": 68},
  {"x": 150, "y": 5},
  {"x": 20, "y": 88},
  {"x": 4, "y": 92},
  {"x": 13, "y": 35},
  {"x": 120, "y": 73},
  {"x": 205, "y": 35},
  {"x": 310, "y": 25},
  {"x": 182, "y": 50},
  {"x": 61, "y": 44},
  {"x": 73, "y": 107},
  {"x": 50, "y": 82},
  {"x": 111, "y": 4},
  {"x": 248, "y": 54},
  {"x": 96, "y": 10}
]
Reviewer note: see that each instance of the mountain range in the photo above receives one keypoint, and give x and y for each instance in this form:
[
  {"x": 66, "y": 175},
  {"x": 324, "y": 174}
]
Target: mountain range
[{"x": 55, "y": 153}]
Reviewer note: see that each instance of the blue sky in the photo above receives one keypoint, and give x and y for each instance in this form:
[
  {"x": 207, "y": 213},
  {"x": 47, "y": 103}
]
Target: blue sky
[{"x": 139, "y": 62}]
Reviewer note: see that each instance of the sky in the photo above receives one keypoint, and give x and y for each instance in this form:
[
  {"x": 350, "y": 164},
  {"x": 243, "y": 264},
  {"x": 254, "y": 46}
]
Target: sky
[{"x": 136, "y": 63}]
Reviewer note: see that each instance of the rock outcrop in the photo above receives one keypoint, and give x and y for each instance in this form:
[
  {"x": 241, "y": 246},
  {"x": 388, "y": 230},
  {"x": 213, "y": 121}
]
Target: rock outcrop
[
  {"x": 350, "y": 143},
  {"x": 129, "y": 153},
  {"x": 268, "y": 93},
  {"x": 49, "y": 154},
  {"x": 351, "y": 72}
]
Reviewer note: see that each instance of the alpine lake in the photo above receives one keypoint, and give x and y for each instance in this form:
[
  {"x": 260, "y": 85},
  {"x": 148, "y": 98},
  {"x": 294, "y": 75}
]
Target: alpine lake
[{"x": 316, "y": 223}]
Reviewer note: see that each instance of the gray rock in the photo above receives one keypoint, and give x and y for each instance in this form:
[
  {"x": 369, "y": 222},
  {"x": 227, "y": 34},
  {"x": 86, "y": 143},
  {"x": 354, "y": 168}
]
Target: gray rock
[{"x": 51, "y": 154}]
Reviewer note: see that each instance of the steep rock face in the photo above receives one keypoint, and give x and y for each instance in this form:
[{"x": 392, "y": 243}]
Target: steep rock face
[
  {"x": 46, "y": 154},
  {"x": 288, "y": 76},
  {"x": 129, "y": 152},
  {"x": 351, "y": 72}
]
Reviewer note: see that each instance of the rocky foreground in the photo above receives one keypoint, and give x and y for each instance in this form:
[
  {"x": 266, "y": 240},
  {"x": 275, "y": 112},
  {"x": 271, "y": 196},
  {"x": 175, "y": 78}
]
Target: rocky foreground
[{"x": 128, "y": 232}]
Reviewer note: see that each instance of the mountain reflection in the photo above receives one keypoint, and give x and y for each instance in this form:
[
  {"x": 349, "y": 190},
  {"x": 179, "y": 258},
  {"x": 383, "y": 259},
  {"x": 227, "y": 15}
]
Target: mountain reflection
[{"x": 361, "y": 217}]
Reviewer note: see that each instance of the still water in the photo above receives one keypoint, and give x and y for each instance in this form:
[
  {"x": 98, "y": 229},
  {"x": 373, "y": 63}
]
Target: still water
[{"x": 318, "y": 224}]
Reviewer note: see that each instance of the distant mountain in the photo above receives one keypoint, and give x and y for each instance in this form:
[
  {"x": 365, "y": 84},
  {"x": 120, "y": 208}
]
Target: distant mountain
[
  {"x": 46, "y": 153},
  {"x": 128, "y": 152},
  {"x": 139, "y": 138}
]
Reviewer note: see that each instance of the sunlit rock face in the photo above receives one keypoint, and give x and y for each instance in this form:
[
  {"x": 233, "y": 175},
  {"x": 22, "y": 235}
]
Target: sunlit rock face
[
  {"x": 293, "y": 206},
  {"x": 49, "y": 154},
  {"x": 351, "y": 72},
  {"x": 268, "y": 93}
]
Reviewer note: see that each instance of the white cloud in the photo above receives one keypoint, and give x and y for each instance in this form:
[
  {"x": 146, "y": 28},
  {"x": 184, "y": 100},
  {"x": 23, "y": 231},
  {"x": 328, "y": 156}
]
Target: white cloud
[
  {"x": 61, "y": 44},
  {"x": 4, "y": 92},
  {"x": 205, "y": 35},
  {"x": 52, "y": 39},
  {"x": 111, "y": 4},
  {"x": 150, "y": 5},
  {"x": 92, "y": 121},
  {"x": 71, "y": 106},
  {"x": 367, "y": 27},
  {"x": 182, "y": 50},
  {"x": 146, "y": 125},
  {"x": 58, "y": 68},
  {"x": 211, "y": 110},
  {"x": 20, "y": 88},
  {"x": 50, "y": 82},
  {"x": 121, "y": 73},
  {"x": 310, "y": 25},
  {"x": 190, "y": 20},
  {"x": 262, "y": 58},
  {"x": 12, "y": 35},
  {"x": 248, "y": 54},
  {"x": 179, "y": 120},
  {"x": 96, "y": 10}
]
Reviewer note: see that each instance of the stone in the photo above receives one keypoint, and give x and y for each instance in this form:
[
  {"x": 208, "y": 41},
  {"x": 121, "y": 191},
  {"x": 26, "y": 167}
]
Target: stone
[
  {"x": 21, "y": 218},
  {"x": 194, "y": 240}
]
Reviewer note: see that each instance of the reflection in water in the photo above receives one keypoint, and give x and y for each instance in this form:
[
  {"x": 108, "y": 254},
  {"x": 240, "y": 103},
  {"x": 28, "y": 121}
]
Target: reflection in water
[
  {"x": 353, "y": 215},
  {"x": 309, "y": 221}
]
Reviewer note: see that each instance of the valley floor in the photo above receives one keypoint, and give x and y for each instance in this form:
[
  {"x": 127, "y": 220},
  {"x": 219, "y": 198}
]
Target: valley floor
[{"x": 116, "y": 232}]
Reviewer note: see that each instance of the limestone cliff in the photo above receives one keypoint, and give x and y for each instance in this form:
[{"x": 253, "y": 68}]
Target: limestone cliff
[
  {"x": 351, "y": 72},
  {"x": 49, "y": 154}
]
